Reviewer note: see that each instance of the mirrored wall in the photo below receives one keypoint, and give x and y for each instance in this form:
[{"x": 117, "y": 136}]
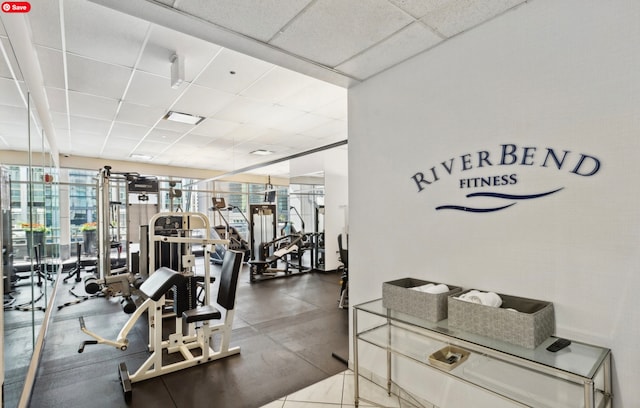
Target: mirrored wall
[{"x": 30, "y": 251}]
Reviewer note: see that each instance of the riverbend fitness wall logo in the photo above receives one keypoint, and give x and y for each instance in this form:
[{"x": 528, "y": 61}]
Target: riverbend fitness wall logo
[
  {"x": 15, "y": 7},
  {"x": 504, "y": 161}
]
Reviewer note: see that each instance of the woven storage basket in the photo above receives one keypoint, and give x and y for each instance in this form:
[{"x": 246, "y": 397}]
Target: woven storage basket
[
  {"x": 398, "y": 296},
  {"x": 528, "y": 326}
]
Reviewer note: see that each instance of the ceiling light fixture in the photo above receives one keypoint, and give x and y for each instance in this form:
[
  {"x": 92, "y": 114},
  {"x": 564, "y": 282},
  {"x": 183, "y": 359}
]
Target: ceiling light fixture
[
  {"x": 261, "y": 152},
  {"x": 177, "y": 71},
  {"x": 139, "y": 156},
  {"x": 183, "y": 118}
]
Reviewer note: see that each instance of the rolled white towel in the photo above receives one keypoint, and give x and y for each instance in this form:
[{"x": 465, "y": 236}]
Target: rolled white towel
[
  {"x": 422, "y": 288},
  {"x": 435, "y": 289},
  {"x": 491, "y": 299},
  {"x": 473, "y": 299},
  {"x": 483, "y": 298},
  {"x": 471, "y": 296}
]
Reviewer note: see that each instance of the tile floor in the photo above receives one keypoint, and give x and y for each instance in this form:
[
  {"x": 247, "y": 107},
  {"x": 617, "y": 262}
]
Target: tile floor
[{"x": 337, "y": 391}]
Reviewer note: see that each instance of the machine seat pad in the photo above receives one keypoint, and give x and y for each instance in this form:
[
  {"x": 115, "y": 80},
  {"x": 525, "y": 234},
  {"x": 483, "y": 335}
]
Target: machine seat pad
[
  {"x": 159, "y": 282},
  {"x": 201, "y": 313}
]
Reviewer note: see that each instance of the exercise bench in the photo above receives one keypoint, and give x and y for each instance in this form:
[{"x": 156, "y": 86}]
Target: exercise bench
[{"x": 187, "y": 336}]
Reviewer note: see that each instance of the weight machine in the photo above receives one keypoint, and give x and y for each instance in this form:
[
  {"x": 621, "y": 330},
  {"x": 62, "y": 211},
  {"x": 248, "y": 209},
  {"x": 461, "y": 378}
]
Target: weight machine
[
  {"x": 228, "y": 232},
  {"x": 268, "y": 251},
  {"x": 171, "y": 239},
  {"x": 118, "y": 277}
]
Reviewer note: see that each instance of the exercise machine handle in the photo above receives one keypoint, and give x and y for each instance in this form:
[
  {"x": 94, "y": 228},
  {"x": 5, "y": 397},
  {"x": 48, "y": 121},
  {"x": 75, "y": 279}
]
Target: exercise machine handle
[
  {"x": 85, "y": 343},
  {"x": 122, "y": 344}
]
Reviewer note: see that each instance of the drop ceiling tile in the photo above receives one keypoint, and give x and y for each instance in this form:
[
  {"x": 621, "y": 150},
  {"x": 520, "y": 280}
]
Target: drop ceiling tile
[
  {"x": 178, "y": 153},
  {"x": 9, "y": 94},
  {"x": 92, "y": 106},
  {"x": 334, "y": 110},
  {"x": 215, "y": 128},
  {"x": 151, "y": 147},
  {"x": 152, "y": 90},
  {"x": 221, "y": 144},
  {"x": 418, "y": 8},
  {"x": 333, "y": 27},
  {"x": 260, "y": 20},
  {"x": 195, "y": 140},
  {"x": 402, "y": 45},
  {"x": 117, "y": 152},
  {"x": 13, "y": 143},
  {"x": 128, "y": 131},
  {"x": 44, "y": 21},
  {"x": 14, "y": 115},
  {"x": 201, "y": 101},
  {"x": 246, "y": 70},
  {"x": 241, "y": 110},
  {"x": 140, "y": 114},
  {"x": 460, "y": 15},
  {"x": 90, "y": 125},
  {"x": 314, "y": 96},
  {"x": 93, "y": 77},
  {"x": 328, "y": 129},
  {"x": 5, "y": 72},
  {"x": 164, "y": 136},
  {"x": 245, "y": 148},
  {"x": 57, "y": 100},
  {"x": 120, "y": 145},
  {"x": 302, "y": 123},
  {"x": 52, "y": 67},
  {"x": 164, "y": 42},
  {"x": 243, "y": 133},
  {"x": 120, "y": 36},
  {"x": 14, "y": 132},
  {"x": 85, "y": 144},
  {"x": 277, "y": 84},
  {"x": 302, "y": 143},
  {"x": 274, "y": 137},
  {"x": 60, "y": 121},
  {"x": 273, "y": 115}
]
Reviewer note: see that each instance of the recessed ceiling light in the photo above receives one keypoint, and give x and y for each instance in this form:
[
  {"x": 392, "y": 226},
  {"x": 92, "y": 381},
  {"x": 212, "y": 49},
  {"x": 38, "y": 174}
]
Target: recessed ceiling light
[
  {"x": 139, "y": 156},
  {"x": 183, "y": 118},
  {"x": 262, "y": 152}
]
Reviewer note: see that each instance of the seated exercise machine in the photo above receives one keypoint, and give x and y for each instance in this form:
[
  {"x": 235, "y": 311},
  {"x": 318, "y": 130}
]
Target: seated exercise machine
[
  {"x": 269, "y": 252},
  {"x": 288, "y": 246},
  {"x": 187, "y": 336}
]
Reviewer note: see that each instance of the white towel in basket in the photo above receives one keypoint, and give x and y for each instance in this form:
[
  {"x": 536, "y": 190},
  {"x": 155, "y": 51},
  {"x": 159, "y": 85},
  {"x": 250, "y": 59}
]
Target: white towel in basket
[
  {"x": 483, "y": 298},
  {"x": 432, "y": 288}
]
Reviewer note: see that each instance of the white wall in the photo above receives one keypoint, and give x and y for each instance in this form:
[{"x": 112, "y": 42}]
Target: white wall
[{"x": 563, "y": 75}]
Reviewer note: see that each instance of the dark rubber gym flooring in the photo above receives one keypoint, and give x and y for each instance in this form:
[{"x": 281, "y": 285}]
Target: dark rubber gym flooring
[{"x": 287, "y": 329}]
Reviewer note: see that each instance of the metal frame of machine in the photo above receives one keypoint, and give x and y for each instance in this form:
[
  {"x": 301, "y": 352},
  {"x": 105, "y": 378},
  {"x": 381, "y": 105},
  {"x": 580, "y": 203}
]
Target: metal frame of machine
[{"x": 171, "y": 240}]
